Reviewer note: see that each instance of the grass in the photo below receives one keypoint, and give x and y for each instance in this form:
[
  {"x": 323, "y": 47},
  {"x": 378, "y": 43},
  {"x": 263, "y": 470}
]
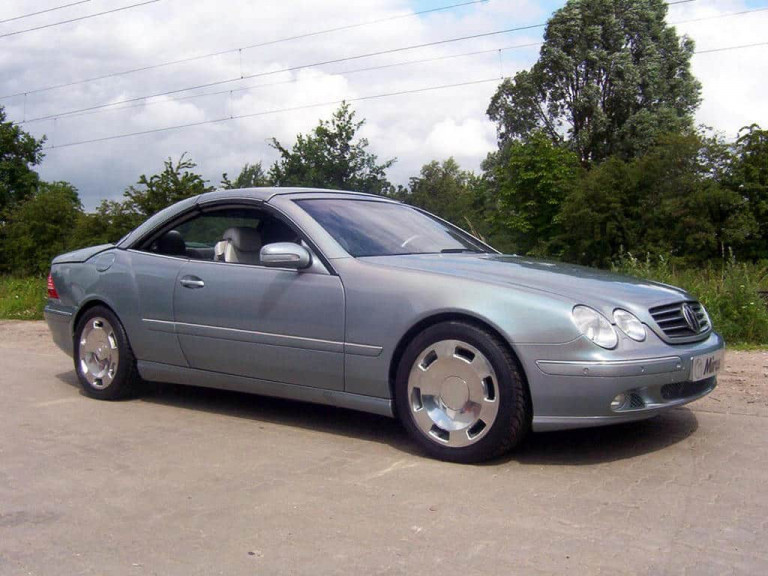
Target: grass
[
  {"x": 728, "y": 289},
  {"x": 22, "y": 298}
]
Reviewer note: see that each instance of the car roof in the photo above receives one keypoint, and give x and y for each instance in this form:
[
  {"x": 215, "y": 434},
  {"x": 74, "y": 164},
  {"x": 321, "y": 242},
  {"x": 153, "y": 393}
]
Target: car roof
[
  {"x": 265, "y": 194},
  {"x": 258, "y": 194}
]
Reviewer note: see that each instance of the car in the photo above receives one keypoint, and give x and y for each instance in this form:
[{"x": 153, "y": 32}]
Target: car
[{"x": 366, "y": 303}]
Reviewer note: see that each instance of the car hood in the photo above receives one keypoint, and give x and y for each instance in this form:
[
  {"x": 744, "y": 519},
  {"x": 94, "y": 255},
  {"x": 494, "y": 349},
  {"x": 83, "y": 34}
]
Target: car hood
[{"x": 581, "y": 284}]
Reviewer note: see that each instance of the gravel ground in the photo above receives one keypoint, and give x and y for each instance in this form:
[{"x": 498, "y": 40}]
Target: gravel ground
[{"x": 190, "y": 481}]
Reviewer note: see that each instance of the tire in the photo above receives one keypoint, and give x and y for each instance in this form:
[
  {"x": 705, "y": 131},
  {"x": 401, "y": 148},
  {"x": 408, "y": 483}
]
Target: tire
[
  {"x": 460, "y": 393},
  {"x": 104, "y": 361}
]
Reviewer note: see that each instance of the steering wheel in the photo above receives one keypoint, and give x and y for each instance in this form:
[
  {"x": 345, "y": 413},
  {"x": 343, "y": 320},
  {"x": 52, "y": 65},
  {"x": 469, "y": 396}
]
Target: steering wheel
[{"x": 409, "y": 240}]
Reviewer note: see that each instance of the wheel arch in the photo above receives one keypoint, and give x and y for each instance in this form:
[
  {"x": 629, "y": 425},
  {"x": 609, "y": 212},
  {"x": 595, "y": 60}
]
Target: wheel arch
[
  {"x": 92, "y": 303},
  {"x": 439, "y": 318}
]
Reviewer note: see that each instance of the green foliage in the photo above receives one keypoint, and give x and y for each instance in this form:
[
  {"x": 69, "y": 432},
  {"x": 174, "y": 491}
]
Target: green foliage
[
  {"x": 176, "y": 182},
  {"x": 596, "y": 217},
  {"x": 727, "y": 288},
  {"x": 331, "y": 157},
  {"x": 672, "y": 199},
  {"x": 22, "y": 298},
  {"x": 748, "y": 177},
  {"x": 446, "y": 190},
  {"x": 528, "y": 182},
  {"x": 41, "y": 227},
  {"x": 611, "y": 77},
  {"x": 251, "y": 176},
  {"x": 113, "y": 219},
  {"x": 19, "y": 151}
]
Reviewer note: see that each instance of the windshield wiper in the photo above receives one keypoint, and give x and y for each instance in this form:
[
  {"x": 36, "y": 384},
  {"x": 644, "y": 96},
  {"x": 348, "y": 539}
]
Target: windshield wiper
[{"x": 458, "y": 250}]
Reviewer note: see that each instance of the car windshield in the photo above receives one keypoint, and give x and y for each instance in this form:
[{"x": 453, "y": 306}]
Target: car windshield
[{"x": 374, "y": 228}]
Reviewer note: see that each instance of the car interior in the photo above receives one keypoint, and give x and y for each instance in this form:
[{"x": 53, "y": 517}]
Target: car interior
[{"x": 241, "y": 241}]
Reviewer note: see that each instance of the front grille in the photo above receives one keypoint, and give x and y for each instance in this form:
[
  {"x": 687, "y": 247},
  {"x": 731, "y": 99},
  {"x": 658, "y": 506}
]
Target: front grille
[
  {"x": 670, "y": 318},
  {"x": 680, "y": 390}
]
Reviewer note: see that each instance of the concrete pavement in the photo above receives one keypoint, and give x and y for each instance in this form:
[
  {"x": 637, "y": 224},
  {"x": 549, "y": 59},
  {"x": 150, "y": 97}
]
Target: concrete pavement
[{"x": 189, "y": 481}]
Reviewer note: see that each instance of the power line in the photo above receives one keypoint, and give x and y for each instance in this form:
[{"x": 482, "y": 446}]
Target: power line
[
  {"x": 728, "y": 48},
  {"x": 324, "y": 63},
  {"x": 320, "y": 104},
  {"x": 240, "y": 49},
  {"x": 44, "y": 11},
  {"x": 717, "y": 16},
  {"x": 295, "y": 80},
  {"x": 269, "y": 112},
  {"x": 232, "y": 50},
  {"x": 283, "y": 70},
  {"x": 78, "y": 19}
]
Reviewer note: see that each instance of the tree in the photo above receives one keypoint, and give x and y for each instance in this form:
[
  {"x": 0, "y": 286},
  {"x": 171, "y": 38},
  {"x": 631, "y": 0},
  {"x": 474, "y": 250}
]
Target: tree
[
  {"x": 596, "y": 217},
  {"x": 111, "y": 221},
  {"x": 176, "y": 182},
  {"x": 611, "y": 77},
  {"x": 528, "y": 181},
  {"x": 446, "y": 190},
  {"x": 748, "y": 177},
  {"x": 40, "y": 227},
  {"x": 19, "y": 151},
  {"x": 670, "y": 201},
  {"x": 251, "y": 176},
  {"x": 114, "y": 219},
  {"x": 331, "y": 157}
]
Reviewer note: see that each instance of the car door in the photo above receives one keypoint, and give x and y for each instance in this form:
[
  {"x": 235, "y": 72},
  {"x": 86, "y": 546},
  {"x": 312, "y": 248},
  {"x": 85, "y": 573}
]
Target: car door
[
  {"x": 273, "y": 324},
  {"x": 152, "y": 277}
]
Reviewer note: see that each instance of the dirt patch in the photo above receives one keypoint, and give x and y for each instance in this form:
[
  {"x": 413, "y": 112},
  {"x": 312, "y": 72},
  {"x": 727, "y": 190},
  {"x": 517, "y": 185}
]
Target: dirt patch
[
  {"x": 742, "y": 386},
  {"x": 33, "y": 331}
]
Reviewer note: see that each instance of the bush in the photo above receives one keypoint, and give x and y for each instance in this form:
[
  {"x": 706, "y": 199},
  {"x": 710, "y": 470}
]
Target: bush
[
  {"x": 729, "y": 290},
  {"x": 40, "y": 228}
]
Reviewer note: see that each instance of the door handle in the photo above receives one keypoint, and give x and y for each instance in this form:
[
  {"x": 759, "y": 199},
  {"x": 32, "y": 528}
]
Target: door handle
[{"x": 192, "y": 282}]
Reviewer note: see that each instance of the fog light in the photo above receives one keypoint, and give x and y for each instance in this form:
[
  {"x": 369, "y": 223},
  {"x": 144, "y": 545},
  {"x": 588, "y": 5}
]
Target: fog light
[{"x": 618, "y": 402}]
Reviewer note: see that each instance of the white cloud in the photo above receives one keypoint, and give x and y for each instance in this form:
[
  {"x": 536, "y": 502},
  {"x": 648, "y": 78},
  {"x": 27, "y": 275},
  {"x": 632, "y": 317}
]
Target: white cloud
[
  {"x": 415, "y": 128},
  {"x": 734, "y": 82},
  {"x": 464, "y": 140}
]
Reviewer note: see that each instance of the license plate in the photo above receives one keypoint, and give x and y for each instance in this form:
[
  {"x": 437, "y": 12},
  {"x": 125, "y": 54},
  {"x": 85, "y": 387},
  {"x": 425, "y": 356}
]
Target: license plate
[{"x": 706, "y": 366}]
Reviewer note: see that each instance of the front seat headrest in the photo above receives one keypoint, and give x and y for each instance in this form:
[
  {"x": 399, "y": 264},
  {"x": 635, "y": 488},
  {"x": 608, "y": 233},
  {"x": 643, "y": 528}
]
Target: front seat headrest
[
  {"x": 243, "y": 239},
  {"x": 172, "y": 243}
]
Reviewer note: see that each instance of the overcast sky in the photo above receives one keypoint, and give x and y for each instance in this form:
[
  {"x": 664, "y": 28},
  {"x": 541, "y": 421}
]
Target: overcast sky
[{"x": 415, "y": 128}]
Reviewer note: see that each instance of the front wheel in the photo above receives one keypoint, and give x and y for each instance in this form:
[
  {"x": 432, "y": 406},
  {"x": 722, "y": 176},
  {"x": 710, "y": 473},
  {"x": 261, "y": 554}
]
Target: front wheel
[
  {"x": 104, "y": 361},
  {"x": 460, "y": 393}
]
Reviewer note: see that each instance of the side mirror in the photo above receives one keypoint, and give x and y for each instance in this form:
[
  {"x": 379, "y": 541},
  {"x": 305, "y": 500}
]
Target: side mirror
[{"x": 285, "y": 255}]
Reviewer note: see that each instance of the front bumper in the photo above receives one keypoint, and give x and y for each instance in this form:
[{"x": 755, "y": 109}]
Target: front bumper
[{"x": 578, "y": 393}]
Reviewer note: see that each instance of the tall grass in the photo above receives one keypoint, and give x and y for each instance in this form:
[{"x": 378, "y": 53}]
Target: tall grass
[
  {"x": 728, "y": 289},
  {"x": 22, "y": 298}
]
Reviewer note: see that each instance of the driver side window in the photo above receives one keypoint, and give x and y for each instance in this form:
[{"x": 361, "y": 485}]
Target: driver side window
[{"x": 233, "y": 235}]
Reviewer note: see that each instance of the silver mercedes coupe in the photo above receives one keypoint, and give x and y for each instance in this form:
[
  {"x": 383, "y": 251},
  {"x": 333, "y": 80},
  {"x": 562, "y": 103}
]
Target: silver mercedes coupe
[{"x": 362, "y": 302}]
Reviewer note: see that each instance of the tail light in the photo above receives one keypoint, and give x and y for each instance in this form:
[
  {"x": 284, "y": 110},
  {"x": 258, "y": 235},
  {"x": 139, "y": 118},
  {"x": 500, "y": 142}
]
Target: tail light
[{"x": 52, "y": 288}]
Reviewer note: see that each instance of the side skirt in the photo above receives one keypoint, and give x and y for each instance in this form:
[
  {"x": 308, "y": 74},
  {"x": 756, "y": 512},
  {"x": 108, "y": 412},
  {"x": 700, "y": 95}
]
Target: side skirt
[{"x": 156, "y": 372}]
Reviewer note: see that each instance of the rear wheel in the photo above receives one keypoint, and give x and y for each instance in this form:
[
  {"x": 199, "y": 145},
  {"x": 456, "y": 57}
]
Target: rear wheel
[
  {"x": 104, "y": 361},
  {"x": 460, "y": 393}
]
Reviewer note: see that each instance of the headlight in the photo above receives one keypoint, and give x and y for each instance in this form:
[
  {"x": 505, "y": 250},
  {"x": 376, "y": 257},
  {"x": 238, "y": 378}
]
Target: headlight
[
  {"x": 595, "y": 326},
  {"x": 629, "y": 324}
]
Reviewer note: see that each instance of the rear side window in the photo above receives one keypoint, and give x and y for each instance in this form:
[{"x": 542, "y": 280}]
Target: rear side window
[
  {"x": 231, "y": 235},
  {"x": 208, "y": 228}
]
